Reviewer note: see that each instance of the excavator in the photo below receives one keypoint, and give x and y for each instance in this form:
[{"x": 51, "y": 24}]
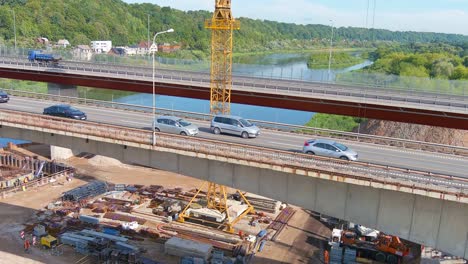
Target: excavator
[{"x": 382, "y": 248}]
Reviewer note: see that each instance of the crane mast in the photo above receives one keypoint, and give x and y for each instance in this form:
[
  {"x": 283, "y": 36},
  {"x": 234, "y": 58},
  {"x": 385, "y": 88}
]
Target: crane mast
[{"x": 222, "y": 25}]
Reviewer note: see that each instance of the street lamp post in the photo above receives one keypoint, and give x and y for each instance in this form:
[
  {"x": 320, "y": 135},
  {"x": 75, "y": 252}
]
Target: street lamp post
[
  {"x": 153, "y": 50},
  {"x": 330, "y": 56}
]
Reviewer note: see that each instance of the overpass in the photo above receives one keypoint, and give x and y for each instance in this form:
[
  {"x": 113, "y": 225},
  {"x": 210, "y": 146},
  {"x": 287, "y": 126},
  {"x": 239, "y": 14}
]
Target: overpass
[
  {"x": 395, "y": 105},
  {"x": 426, "y": 208}
]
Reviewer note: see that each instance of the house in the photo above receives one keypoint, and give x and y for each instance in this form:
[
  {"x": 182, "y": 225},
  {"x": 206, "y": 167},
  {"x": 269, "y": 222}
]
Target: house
[
  {"x": 42, "y": 40},
  {"x": 99, "y": 46},
  {"x": 63, "y": 43},
  {"x": 168, "y": 48},
  {"x": 144, "y": 47},
  {"x": 82, "y": 52},
  {"x": 119, "y": 51}
]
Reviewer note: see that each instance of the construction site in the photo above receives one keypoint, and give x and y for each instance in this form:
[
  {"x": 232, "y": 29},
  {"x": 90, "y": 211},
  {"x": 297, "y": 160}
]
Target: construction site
[
  {"x": 93, "y": 209},
  {"x": 80, "y": 211}
]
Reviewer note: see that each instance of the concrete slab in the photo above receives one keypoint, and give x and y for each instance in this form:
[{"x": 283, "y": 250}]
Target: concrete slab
[
  {"x": 331, "y": 198},
  {"x": 59, "y": 153},
  {"x": 246, "y": 178},
  {"x": 164, "y": 161},
  {"x": 110, "y": 150},
  {"x": 194, "y": 167},
  {"x": 64, "y": 141},
  {"x": 453, "y": 231},
  {"x": 362, "y": 202},
  {"x": 426, "y": 220},
  {"x": 301, "y": 190},
  {"x": 134, "y": 155},
  {"x": 273, "y": 184},
  {"x": 395, "y": 213},
  {"x": 221, "y": 172}
]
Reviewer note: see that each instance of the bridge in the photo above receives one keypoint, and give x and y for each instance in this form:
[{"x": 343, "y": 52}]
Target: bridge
[
  {"x": 426, "y": 208},
  {"x": 387, "y": 104}
]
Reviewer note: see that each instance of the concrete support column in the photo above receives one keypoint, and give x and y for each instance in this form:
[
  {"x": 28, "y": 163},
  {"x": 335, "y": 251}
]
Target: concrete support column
[{"x": 59, "y": 153}]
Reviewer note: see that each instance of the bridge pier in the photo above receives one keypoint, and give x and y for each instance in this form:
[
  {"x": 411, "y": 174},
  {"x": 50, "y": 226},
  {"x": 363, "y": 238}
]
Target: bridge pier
[{"x": 62, "y": 89}]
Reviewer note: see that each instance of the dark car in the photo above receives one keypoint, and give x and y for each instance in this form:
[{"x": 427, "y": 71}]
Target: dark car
[
  {"x": 4, "y": 97},
  {"x": 64, "y": 111}
]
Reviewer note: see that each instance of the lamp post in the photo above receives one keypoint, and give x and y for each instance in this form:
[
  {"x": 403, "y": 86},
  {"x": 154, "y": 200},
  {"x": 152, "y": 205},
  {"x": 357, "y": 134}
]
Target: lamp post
[
  {"x": 153, "y": 50},
  {"x": 330, "y": 56}
]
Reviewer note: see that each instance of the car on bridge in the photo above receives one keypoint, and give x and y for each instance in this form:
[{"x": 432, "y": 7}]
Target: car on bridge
[
  {"x": 234, "y": 125},
  {"x": 4, "y": 98},
  {"x": 64, "y": 110},
  {"x": 175, "y": 125},
  {"x": 329, "y": 148}
]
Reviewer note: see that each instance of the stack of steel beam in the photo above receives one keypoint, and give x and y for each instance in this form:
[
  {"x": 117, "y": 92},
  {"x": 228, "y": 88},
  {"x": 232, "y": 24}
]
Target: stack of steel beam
[{"x": 91, "y": 189}]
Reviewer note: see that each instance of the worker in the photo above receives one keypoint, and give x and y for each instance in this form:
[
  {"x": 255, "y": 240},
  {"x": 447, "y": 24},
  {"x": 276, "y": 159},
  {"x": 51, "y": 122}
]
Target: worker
[
  {"x": 26, "y": 245},
  {"x": 326, "y": 257}
]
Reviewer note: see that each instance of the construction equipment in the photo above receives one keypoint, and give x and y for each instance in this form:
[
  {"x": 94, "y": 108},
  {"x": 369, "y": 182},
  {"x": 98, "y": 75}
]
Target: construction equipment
[
  {"x": 384, "y": 248},
  {"x": 49, "y": 241},
  {"x": 222, "y": 25}
]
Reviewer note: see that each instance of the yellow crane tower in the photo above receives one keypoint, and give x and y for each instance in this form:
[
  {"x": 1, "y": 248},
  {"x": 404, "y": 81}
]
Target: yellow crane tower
[{"x": 222, "y": 25}]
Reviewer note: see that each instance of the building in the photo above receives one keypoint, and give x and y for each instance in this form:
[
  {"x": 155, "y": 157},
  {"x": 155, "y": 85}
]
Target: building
[
  {"x": 42, "y": 40},
  {"x": 63, "y": 43},
  {"x": 144, "y": 48},
  {"x": 101, "y": 46},
  {"x": 82, "y": 52},
  {"x": 118, "y": 51},
  {"x": 168, "y": 48}
]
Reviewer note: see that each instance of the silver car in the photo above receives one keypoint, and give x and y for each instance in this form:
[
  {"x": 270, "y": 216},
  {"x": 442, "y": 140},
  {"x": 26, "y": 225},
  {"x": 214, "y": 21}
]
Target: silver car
[
  {"x": 234, "y": 125},
  {"x": 175, "y": 125},
  {"x": 329, "y": 148}
]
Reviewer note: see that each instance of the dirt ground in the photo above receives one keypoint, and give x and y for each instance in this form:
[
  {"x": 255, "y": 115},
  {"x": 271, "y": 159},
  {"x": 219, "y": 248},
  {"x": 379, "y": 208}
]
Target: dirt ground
[{"x": 299, "y": 242}]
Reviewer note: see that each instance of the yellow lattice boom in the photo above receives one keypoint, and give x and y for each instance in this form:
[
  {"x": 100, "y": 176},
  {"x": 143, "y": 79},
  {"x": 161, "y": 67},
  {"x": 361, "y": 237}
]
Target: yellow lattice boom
[{"x": 222, "y": 25}]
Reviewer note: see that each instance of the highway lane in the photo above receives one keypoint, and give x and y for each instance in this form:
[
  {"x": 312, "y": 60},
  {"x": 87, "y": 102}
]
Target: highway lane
[{"x": 378, "y": 154}]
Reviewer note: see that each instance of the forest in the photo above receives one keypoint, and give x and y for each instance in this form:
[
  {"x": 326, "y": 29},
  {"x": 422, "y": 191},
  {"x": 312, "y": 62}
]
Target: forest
[
  {"x": 434, "y": 60},
  {"x": 126, "y": 24}
]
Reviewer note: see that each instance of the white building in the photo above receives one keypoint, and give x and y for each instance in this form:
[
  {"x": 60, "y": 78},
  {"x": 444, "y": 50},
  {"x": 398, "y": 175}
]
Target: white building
[
  {"x": 63, "y": 43},
  {"x": 100, "y": 46}
]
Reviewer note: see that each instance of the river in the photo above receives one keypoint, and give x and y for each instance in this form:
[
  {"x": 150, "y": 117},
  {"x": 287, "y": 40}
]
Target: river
[{"x": 287, "y": 66}]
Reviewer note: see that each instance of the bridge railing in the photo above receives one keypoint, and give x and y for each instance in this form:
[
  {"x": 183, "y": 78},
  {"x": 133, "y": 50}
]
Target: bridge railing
[
  {"x": 400, "y": 177},
  {"x": 453, "y": 94},
  {"x": 305, "y": 130}
]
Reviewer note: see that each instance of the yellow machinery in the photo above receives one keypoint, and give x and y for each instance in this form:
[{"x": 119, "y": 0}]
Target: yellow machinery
[
  {"x": 49, "y": 241},
  {"x": 222, "y": 25}
]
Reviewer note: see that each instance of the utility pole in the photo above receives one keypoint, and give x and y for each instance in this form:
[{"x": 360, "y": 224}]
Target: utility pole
[
  {"x": 331, "y": 46},
  {"x": 14, "y": 26},
  {"x": 147, "y": 43}
]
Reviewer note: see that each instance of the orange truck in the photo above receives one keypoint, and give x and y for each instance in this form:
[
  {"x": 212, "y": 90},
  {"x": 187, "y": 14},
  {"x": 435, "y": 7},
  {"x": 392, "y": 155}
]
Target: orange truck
[{"x": 384, "y": 248}]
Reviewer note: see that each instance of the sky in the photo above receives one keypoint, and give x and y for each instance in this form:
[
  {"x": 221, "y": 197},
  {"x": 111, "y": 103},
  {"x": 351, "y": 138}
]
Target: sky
[{"x": 445, "y": 16}]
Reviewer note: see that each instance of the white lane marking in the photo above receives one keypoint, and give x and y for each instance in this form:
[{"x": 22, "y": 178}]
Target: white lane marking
[
  {"x": 284, "y": 144},
  {"x": 133, "y": 122}
]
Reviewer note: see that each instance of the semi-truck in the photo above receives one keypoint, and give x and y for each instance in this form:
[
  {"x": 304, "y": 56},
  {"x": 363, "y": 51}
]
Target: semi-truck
[{"x": 42, "y": 58}]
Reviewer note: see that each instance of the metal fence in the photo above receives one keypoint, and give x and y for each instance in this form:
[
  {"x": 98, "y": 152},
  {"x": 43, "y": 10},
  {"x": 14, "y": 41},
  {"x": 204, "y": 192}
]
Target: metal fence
[{"x": 125, "y": 136}]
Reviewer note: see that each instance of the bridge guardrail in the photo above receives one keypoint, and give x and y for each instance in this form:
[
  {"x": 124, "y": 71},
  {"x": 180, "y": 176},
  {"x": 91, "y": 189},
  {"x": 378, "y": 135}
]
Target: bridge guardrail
[
  {"x": 399, "y": 177},
  {"x": 309, "y": 131},
  {"x": 422, "y": 99}
]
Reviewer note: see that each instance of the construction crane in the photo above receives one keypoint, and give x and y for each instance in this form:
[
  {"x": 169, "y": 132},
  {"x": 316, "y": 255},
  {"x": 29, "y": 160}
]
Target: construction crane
[{"x": 222, "y": 25}]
